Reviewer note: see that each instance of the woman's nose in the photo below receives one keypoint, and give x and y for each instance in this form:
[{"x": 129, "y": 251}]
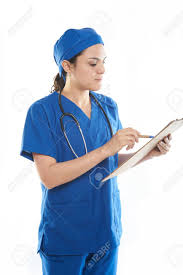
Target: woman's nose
[{"x": 101, "y": 68}]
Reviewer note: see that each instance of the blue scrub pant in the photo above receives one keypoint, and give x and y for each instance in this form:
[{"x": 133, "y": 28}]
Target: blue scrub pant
[{"x": 88, "y": 264}]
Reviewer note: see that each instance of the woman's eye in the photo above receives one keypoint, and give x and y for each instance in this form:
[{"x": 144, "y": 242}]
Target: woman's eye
[{"x": 95, "y": 64}]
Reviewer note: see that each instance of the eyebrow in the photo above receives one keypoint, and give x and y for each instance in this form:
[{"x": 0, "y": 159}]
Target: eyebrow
[{"x": 96, "y": 58}]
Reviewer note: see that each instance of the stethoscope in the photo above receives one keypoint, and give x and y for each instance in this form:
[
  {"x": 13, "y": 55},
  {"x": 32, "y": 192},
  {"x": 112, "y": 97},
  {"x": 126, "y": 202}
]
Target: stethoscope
[{"x": 72, "y": 116}]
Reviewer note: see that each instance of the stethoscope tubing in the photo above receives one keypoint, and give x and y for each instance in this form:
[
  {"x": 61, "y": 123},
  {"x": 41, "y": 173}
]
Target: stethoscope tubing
[{"x": 75, "y": 119}]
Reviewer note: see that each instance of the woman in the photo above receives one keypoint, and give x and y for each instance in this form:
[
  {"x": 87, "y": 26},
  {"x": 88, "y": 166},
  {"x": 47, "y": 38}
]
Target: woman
[{"x": 80, "y": 227}]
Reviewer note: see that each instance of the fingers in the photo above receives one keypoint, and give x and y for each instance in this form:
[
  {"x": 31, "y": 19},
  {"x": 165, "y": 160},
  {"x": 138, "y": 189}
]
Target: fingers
[
  {"x": 169, "y": 136},
  {"x": 134, "y": 133},
  {"x": 167, "y": 141},
  {"x": 163, "y": 147}
]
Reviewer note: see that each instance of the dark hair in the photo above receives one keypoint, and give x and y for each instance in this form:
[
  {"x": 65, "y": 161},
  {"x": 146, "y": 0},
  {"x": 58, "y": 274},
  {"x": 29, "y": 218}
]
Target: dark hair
[{"x": 59, "y": 82}]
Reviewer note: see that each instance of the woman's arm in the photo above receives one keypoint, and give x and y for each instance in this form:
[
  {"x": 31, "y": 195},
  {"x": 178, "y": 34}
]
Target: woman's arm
[{"x": 54, "y": 173}]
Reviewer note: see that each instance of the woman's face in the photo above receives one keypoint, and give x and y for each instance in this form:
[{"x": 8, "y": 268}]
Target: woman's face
[{"x": 89, "y": 68}]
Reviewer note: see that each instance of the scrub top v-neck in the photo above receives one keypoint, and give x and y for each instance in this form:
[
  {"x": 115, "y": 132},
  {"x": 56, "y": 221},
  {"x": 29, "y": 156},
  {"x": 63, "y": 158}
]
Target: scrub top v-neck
[
  {"x": 82, "y": 112},
  {"x": 81, "y": 215},
  {"x": 83, "y": 117}
]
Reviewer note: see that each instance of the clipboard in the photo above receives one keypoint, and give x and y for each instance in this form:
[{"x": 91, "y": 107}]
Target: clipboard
[{"x": 143, "y": 151}]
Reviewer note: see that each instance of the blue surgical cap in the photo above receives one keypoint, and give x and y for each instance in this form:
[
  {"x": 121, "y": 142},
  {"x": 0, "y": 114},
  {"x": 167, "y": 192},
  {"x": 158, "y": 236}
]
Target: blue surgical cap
[{"x": 72, "y": 42}]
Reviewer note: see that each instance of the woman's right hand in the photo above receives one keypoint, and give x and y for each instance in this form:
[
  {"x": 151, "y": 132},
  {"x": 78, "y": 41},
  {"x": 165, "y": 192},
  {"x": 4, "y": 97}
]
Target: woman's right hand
[{"x": 123, "y": 137}]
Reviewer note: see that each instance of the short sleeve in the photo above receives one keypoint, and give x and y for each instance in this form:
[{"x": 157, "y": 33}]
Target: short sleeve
[{"x": 37, "y": 135}]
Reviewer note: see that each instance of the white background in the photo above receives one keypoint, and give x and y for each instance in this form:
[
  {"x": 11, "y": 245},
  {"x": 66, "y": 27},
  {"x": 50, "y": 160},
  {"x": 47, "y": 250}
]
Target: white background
[{"x": 144, "y": 42}]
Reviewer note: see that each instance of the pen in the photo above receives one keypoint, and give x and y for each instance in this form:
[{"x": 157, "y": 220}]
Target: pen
[{"x": 145, "y": 136}]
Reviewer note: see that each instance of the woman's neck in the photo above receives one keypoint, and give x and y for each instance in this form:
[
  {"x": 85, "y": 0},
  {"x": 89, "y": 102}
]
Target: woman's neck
[{"x": 82, "y": 99}]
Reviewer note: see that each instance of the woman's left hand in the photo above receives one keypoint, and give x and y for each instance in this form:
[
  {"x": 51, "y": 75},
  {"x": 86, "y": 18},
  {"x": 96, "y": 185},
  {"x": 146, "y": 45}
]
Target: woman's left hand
[{"x": 161, "y": 148}]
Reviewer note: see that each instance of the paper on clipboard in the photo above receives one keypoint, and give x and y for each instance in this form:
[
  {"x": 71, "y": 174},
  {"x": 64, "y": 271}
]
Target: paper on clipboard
[{"x": 143, "y": 151}]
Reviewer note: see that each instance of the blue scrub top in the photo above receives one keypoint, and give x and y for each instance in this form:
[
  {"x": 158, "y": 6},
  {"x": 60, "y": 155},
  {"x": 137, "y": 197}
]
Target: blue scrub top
[{"x": 84, "y": 214}]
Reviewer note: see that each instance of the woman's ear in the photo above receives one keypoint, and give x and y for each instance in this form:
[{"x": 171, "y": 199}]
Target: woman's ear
[{"x": 66, "y": 66}]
